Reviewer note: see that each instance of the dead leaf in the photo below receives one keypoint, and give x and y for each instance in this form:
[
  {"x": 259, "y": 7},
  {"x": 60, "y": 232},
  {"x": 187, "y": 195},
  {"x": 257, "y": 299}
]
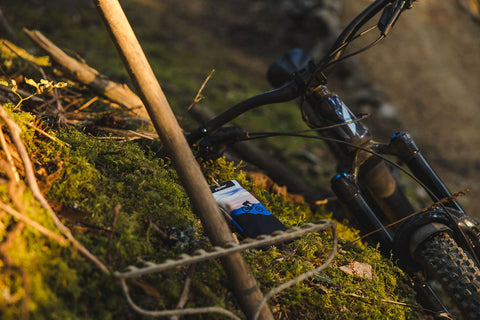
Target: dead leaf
[
  {"x": 146, "y": 287},
  {"x": 358, "y": 269}
]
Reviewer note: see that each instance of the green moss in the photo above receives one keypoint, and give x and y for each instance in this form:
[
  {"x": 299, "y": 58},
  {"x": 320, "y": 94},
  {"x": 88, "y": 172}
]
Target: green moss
[
  {"x": 36, "y": 269},
  {"x": 328, "y": 296},
  {"x": 97, "y": 175},
  {"x": 125, "y": 205},
  {"x": 101, "y": 174}
]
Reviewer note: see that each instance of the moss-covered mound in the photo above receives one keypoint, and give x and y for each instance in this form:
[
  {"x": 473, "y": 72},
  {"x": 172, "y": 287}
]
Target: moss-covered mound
[{"x": 126, "y": 205}]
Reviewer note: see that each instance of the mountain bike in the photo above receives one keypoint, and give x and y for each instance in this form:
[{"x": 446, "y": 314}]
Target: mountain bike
[{"x": 441, "y": 242}]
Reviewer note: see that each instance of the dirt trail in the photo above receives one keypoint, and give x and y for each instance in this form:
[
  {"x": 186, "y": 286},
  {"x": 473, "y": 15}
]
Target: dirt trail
[{"x": 429, "y": 68}]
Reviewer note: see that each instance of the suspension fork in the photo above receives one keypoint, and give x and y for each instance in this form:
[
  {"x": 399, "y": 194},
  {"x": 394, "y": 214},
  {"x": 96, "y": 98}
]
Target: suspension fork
[
  {"x": 380, "y": 183},
  {"x": 466, "y": 229},
  {"x": 375, "y": 200},
  {"x": 323, "y": 108},
  {"x": 403, "y": 146}
]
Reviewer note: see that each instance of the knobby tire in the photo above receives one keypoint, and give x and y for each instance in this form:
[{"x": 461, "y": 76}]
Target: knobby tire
[{"x": 456, "y": 272}]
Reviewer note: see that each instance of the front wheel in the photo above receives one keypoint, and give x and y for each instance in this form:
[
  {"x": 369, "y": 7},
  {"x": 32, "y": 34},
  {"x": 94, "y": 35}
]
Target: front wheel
[{"x": 447, "y": 263}]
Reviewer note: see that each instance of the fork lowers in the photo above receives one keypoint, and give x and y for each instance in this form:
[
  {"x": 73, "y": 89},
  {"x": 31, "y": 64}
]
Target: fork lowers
[
  {"x": 349, "y": 193},
  {"x": 403, "y": 146}
]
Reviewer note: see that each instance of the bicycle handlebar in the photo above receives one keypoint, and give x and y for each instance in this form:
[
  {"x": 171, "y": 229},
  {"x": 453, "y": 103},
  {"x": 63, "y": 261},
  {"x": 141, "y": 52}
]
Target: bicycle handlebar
[
  {"x": 285, "y": 93},
  {"x": 296, "y": 87},
  {"x": 354, "y": 26}
]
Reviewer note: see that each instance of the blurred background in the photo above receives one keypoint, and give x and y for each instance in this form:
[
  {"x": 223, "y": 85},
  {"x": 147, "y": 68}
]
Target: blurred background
[{"x": 423, "y": 78}]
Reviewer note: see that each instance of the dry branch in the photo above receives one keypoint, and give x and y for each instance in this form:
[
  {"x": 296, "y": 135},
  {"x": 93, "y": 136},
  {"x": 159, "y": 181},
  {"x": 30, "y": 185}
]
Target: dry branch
[
  {"x": 186, "y": 289},
  {"x": 82, "y": 73},
  {"x": 48, "y": 233},
  {"x": 171, "y": 135}
]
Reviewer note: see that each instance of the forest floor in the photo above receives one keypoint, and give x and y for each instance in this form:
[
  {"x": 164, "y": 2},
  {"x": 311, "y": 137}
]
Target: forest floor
[{"x": 426, "y": 70}]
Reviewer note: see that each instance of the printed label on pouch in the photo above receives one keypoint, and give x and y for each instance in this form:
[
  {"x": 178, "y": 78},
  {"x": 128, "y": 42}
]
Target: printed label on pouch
[{"x": 244, "y": 210}]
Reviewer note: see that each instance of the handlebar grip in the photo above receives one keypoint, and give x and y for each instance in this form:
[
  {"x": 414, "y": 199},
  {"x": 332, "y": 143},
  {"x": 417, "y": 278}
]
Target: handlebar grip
[{"x": 284, "y": 69}]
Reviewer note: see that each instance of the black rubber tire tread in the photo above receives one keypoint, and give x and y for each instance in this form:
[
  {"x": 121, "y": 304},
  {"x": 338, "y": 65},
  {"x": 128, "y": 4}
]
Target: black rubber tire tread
[{"x": 456, "y": 272}]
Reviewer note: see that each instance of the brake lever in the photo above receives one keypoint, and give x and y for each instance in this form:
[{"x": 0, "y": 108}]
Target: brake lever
[
  {"x": 214, "y": 144},
  {"x": 390, "y": 15}
]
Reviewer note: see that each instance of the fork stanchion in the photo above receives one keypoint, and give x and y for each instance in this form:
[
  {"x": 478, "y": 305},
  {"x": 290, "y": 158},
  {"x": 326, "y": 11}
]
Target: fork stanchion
[{"x": 167, "y": 127}]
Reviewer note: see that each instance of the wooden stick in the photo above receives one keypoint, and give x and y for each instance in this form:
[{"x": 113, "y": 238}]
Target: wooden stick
[
  {"x": 204, "y": 205},
  {"x": 48, "y": 233}
]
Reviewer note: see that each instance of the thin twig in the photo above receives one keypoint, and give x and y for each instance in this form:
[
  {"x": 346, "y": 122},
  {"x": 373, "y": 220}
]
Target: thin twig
[
  {"x": 114, "y": 223},
  {"x": 87, "y": 104},
  {"x": 198, "y": 97},
  {"x": 186, "y": 290},
  {"x": 32, "y": 182},
  {"x": 73, "y": 102},
  {"x": 8, "y": 29},
  {"x": 46, "y": 134},
  {"x": 141, "y": 135},
  {"x": 48, "y": 233},
  {"x": 9, "y": 156},
  {"x": 434, "y": 205},
  {"x": 402, "y": 304}
]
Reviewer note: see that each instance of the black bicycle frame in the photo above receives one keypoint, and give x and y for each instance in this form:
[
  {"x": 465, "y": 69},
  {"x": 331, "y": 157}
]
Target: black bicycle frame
[{"x": 364, "y": 181}]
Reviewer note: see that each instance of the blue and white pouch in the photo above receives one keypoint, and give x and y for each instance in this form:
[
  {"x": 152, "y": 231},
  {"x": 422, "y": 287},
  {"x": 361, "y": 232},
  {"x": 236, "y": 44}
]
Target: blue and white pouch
[{"x": 244, "y": 211}]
